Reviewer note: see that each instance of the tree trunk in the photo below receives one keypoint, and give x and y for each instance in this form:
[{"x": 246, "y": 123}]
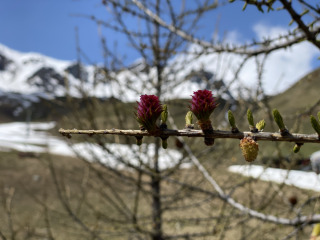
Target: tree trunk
[{"x": 156, "y": 196}]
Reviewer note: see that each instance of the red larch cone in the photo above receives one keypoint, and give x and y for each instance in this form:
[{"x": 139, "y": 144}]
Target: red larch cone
[{"x": 202, "y": 105}]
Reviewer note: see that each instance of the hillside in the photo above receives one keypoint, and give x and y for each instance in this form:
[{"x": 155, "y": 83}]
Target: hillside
[
  {"x": 36, "y": 87},
  {"x": 301, "y": 96}
]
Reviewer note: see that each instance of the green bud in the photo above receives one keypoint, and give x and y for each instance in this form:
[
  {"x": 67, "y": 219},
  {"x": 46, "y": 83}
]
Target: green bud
[
  {"x": 189, "y": 119},
  {"x": 164, "y": 114},
  {"x": 164, "y": 142},
  {"x": 232, "y": 122},
  {"x": 231, "y": 119},
  {"x": 319, "y": 116},
  {"x": 244, "y": 6},
  {"x": 260, "y": 8},
  {"x": 278, "y": 119},
  {"x": 250, "y": 118},
  {"x": 315, "y": 124},
  {"x": 261, "y": 125},
  {"x": 297, "y": 147}
]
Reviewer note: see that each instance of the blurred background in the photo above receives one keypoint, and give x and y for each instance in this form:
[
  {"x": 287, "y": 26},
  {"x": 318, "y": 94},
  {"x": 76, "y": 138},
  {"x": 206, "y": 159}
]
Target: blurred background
[{"x": 79, "y": 64}]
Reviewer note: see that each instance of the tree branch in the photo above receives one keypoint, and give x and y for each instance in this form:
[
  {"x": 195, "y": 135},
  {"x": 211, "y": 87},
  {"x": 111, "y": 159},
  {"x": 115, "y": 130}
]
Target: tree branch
[
  {"x": 260, "y": 136},
  {"x": 240, "y": 50},
  {"x": 311, "y": 36},
  {"x": 300, "y": 220}
]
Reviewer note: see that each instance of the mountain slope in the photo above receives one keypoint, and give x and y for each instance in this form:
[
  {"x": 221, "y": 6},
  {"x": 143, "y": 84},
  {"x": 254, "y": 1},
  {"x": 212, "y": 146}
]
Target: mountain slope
[
  {"x": 301, "y": 96},
  {"x": 42, "y": 76},
  {"x": 29, "y": 78}
]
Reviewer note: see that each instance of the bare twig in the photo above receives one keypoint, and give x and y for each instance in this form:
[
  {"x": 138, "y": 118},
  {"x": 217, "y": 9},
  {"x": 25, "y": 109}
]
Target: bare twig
[
  {"x": 241, "y": 50},
  {"x": 253, "y": 213},
  {"x": 261, "y": 136}
]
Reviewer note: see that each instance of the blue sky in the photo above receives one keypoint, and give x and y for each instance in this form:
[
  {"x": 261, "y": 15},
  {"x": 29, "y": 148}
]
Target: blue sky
[{"x": 48, "y": 27}]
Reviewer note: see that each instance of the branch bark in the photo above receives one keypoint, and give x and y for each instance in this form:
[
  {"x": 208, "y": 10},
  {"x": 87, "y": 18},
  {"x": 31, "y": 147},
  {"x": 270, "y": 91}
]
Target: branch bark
[
  {"x": 260, "y": 136},
  {"x": 241, "y": 50},
  {"x": 300, "y": 220}
]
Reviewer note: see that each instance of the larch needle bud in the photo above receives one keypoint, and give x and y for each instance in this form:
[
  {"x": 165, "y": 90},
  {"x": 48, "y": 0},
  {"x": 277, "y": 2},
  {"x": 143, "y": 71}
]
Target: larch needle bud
[
  {"x": 251, "y": 121},
  {"x": 315, "y": 124},
  {"x": 297, "y": 147},
  {"x": 315, "y": 235},
  {"x": 278, "y": 119},
  {"x": 164, "y": 117},
  {"x": 164, "y": 114},
  {"x": 148, "y": 111},
  {"x": 232, "y": 122},
  {"x": 250, "y": 149},
  {"x": 189, "y": 119},
  {"x": 202, "y": 105},
  {"x": 164, "y": 141},
  {"x": 261, "y": 125}
]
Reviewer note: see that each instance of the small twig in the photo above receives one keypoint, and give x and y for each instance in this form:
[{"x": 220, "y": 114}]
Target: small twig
[{"x": 260, "y": 136}]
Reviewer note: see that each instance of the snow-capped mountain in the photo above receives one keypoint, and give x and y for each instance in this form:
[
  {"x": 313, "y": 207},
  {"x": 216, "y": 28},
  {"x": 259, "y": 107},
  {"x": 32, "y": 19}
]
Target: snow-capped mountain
[
  {"x": 30, "y": 76},
  {"x": 34, "y": 74}
]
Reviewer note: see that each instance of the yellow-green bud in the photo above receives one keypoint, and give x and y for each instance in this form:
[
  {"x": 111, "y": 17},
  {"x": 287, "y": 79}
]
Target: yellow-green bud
[
  {"x": 315, "y": 231},
  {"x": 297, "y": 147},
  {"x": 232, "y": 122},
  {"x": 164, "y": 142},
  {"x": 319, "y": 116},
  {"x": 189, "y": 119},
  {"x": 231, "y": 119},
  {"x": 278, "y": 119},
  {"x": 250, "y": 118},
  {"x": 315, "y": 124},
  {"x": 164, "y": 114},
  {"x": 261, "y": 125}
]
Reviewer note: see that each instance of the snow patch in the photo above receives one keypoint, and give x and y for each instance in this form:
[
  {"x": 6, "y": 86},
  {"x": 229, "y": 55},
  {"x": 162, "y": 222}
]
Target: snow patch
[
  {"x": 34, "y": 138},
  {"x": 300, "y": 179}
]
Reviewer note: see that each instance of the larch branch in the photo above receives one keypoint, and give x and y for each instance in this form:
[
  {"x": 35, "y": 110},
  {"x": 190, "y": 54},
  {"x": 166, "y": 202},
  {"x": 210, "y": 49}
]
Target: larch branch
[
  {"x": 259, "y": 136},
  {"x": 241, "y": 50}
]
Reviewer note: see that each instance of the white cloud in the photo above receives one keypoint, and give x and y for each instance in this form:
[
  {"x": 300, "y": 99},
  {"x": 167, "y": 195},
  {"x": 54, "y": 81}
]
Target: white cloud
[{"x": 283, "y": 67}]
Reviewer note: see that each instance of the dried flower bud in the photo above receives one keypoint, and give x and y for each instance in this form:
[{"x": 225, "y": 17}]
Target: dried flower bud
[
  {"x": 179, "y": 144},
  {"x": 250, "y": 148},
  {"x": 148, "y": 111},
  {"x": 261, "y": 125},
  {"x": 293, "y": 200}
]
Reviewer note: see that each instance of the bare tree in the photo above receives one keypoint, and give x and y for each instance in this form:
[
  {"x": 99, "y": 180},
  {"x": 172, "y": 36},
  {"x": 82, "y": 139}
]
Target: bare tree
[{"x": 133, "y": 195}]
